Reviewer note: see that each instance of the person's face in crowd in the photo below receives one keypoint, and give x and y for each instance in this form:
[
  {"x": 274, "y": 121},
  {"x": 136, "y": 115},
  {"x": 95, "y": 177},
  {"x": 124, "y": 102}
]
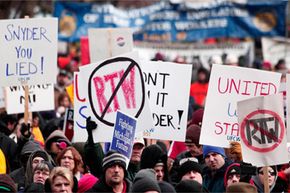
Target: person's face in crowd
[
  {"x": 159, "y": 170},
  {"x": 35, "y": 122},
  {"x": 271, "y": 176},
  {"x": 36, "y": 161},
  {"x": 136, "y": 152},
  {"x": 114, "y": 175},
  {"x": 233, "y": 178},
  {"x": 54, "y": 148},
  {"x": 40, "y": 176},
  {"x": 65, "y": 102},
  {"x": 62, "y": 79},
  {"x": 214, "y": 161},
  {"x": 202, "y": 77},
  {"x": 67, "y": 160},
  {"x": 234, "y": 157},
  {"x": 195, "y": 150},
  {"x": 61, "y": 184},
  {"x": 192, "y": 175}
]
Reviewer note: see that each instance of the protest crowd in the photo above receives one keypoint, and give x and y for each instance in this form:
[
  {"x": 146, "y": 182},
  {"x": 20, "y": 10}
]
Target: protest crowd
[{"x": 40, "y": 154}]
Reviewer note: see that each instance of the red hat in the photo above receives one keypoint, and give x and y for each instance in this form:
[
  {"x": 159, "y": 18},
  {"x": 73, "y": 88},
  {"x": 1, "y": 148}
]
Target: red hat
[
  {"x": 197, "y": 117},
  {"x": 193, "y": 134},
  {"x": 86, "y": 183}
]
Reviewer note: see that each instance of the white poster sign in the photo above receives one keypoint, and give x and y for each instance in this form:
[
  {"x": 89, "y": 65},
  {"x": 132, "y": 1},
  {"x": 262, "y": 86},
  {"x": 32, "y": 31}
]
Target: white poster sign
[
  {"x": 167, "y": 86},
  {"x": 40, "y": 98},
  {"x": 2, "y": 98},
  {"x": 108, "y": 42},
  {"x": 262, "y": 130},
  {"x": 275, "y": 49},
  {"x": 80, "y": 111},
  {"x": 111, "y": 85},
  {"x": 227, "y": 85},
  {"x": 288, "y": 106},
  {"x": 30, "y": 47}
]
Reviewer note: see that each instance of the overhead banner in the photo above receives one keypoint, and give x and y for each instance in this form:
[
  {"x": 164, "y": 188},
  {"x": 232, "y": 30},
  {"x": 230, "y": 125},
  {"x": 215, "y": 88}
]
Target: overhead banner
[
  {"x": 109, "y": 42},
  {"x": 275, "y": 49},
  {"x": 29, "y": 51},
  {"x": 40, "y": 98},
  {"x": 167, "y": 87},
  {"x": 172, "y": 23},
  {"x": 196, "y": 53},
  {"x": 262, "y": 130},
  {"x": 227, "y": 85},
  {"x": 110, "y": 85}
]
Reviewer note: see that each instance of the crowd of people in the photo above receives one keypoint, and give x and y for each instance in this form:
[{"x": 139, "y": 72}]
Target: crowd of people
[{"x": 37, "y": 156}]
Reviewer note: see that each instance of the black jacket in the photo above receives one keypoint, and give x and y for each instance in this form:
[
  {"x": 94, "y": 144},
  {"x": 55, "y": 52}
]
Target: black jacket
[{"x": 101, "y": 186}]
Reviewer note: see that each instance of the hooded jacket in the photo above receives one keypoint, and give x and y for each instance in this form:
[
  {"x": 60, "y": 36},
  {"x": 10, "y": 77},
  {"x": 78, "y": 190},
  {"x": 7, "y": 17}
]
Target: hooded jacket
[{"x": 258, "y": 183}]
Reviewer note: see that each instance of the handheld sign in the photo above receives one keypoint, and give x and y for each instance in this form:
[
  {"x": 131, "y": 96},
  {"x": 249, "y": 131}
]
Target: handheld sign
[
  {"x": 288, "y": 106},
  {"x": 167, "y": 87},
  {"x": 114, "y": 84},
  {"x": 2, "y": 98},
  {"x": 107, "y": 42},
  {"x": 26, "y": 43},
  {"x": 262, "y": 130},
  {"x": 40, "y": 98},
  {"x": 227, "y": 85},
  {"x": 68, "y": 126},
  {"x": 80, "y": 111},
  {"x": 124, "y": 134}
]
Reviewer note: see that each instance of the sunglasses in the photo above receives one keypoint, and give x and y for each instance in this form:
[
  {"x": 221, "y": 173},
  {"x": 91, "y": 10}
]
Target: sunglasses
[{"x": 272, "y": 173}]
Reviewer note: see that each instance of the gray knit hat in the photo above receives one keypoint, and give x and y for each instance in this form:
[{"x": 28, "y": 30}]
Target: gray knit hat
[{"x": 114, "y": 158}]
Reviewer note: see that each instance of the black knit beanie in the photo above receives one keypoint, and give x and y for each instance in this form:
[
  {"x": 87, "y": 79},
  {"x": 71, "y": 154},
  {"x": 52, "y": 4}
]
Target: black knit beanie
[{"x": 145, "y": 184}]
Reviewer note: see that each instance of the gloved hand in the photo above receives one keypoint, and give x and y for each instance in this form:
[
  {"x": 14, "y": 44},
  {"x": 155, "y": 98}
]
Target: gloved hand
[
  {"x": 91, "y": 125},
  {"x": 25, "y": 130}
]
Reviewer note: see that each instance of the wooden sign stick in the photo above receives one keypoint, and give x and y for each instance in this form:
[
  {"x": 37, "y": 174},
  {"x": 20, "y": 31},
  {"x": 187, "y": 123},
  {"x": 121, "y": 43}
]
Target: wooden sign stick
[{"x": 266, "y": 179}]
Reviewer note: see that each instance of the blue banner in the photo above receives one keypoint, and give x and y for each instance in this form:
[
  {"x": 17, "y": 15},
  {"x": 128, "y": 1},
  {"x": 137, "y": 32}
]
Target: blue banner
[
  {"x": 166, "y": 22},
  {"x": 124, "y": 133}
]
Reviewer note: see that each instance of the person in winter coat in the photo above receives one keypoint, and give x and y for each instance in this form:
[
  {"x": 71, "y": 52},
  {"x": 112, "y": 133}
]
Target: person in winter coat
[
  {"x": 216, "y": 165},
  {"x": 154, "y": 157},
  {"x": 114, "y": 175}
]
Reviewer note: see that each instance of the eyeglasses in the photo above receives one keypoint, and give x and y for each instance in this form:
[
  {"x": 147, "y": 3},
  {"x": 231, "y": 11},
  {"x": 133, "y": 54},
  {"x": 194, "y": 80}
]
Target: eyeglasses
[{"x": 272, "y": 173}]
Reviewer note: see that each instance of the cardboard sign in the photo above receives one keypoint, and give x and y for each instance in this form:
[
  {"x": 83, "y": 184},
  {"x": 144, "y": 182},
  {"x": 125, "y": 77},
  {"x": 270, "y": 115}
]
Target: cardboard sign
[
  {"x": 167, "y": 87},
  {"x": 124, "y": 134},
  {"x": 40, "y": 98},
  {"x": 108, "y": 42},
  {"x": 30, "y": 47},
  {"x": 80, "y": 111},
  {"x": 111, "y": 85},
  {"x": 2, "y": 98},
  {"x": 262, "y": 130},
  {"x": 227, "y": 85}
]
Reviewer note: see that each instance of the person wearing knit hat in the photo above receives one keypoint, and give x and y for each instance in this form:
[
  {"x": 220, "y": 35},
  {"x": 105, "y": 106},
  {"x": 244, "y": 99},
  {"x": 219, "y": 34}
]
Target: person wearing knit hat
[
  {"x": 166, "y": 187},
  {"x": 190, "y": 169},
  {"x": 7, "y": 184},
  {"x": 233, "y": 174},
  {"x": 197, "y": 117},
  {"x": 145, "y": 181},
  {"x": 216, "y": 164},
  {"x": 86, "y": 182},
  {"x": 114, "y": 174},
  {"x": 241, "y": 187},
  {"x": 189, "y": 186},
  {"x": 193, "y": 149}
]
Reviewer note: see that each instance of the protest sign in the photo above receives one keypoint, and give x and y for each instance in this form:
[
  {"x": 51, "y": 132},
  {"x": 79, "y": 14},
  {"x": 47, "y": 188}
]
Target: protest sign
[
  {"x": 275, "y": 49},
  {"x": 288, "y": 106},
  {"x": 68, "y": 126},
  {"x": 124, "y": 134},
  {"x": 288, "y": 150},
  {"x": 80, "y": 111},
  {"x": 2, "y": 98},
  {"x": 227, "y": 85},
  {"x": 40, "y": 98},
  {"x": 167, "y": 87},
  {"x": 105, "y": 43},
  {"x": 262, "y": 130},
  {"x": 114, "y": 84},
  {"x": 26, "y": 43}
]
